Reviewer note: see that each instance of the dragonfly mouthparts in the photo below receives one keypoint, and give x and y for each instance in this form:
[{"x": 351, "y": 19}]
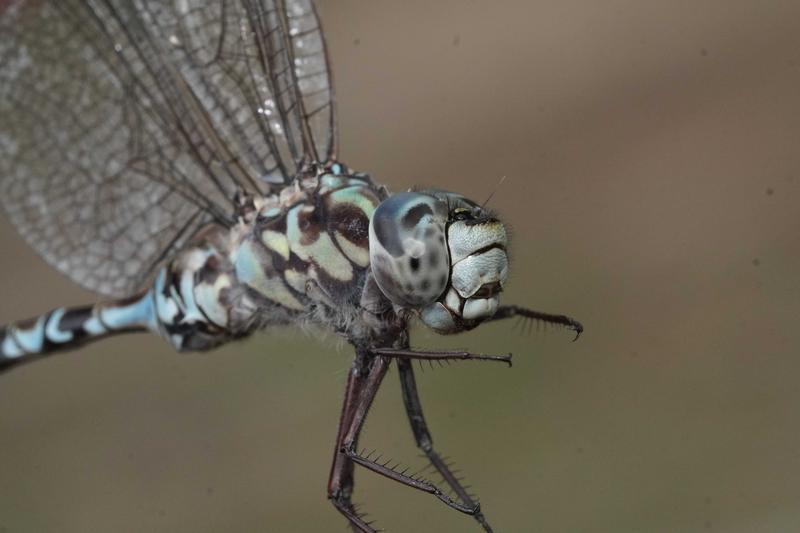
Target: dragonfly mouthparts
[{"x": 488, "y": 290}]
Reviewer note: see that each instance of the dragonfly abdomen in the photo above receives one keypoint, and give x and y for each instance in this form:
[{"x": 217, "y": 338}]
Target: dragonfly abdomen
[
  {"x": 179, "y": 306},
  {"x": 69, "y": 327}
]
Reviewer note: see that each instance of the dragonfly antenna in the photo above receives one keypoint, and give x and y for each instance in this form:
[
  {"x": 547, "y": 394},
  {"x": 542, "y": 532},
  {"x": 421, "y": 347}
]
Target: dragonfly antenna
[{"x": 499, "y": 183}]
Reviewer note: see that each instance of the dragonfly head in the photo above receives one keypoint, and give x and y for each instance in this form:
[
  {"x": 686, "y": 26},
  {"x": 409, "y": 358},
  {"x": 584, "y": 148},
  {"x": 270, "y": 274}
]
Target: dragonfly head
[{"x": 441, "y": 255}]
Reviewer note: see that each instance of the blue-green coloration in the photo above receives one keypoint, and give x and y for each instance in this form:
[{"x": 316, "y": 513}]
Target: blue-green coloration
[
  {"x": 191, "y": 179},
  {"x": 287, "y": 260}
]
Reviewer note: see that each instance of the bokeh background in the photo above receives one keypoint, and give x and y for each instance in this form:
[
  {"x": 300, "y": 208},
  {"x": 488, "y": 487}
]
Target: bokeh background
[{"x": 652, "y": 185}]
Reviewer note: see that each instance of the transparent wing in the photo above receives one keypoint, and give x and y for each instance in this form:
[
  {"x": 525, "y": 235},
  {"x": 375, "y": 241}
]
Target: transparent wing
[{"x": 126, "y": 125}]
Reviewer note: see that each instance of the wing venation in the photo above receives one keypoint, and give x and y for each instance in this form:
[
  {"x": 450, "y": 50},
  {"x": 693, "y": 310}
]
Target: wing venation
[{"x": 125, "y": 126}]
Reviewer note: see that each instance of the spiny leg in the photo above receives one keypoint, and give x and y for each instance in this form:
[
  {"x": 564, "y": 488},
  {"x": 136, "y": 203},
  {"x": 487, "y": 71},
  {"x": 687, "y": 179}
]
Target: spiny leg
[
  {"x": 368, "y": 391},
  {"x": 425, "y": 441},
  {"x": 364, "y": 379},
  {"x": 340, "y": 482},
  {"x": 508, "y": 311},
  {"x": 427, "y": 355}
]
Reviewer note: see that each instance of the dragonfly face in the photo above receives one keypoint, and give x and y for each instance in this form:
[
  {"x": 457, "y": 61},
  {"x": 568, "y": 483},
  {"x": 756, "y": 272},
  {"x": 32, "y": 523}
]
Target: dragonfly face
[{"x": 441, "y": 255}]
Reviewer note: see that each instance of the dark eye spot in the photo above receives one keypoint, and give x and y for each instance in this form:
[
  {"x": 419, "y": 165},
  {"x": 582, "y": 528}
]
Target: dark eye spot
[
  {"x": 415, "y": 214},
  {"x": 414, "y": 263}
]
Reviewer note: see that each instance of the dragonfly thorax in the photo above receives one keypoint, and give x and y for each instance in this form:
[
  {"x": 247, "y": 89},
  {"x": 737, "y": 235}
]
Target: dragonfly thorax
[
  {"x": 441, "y": 255},
  {"x": 299, "y": 255}
]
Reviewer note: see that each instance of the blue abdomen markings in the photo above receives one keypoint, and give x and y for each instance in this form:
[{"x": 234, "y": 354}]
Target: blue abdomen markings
[
  {"x": 66, "y": 328},
  {"x": 305, "y": 247}
]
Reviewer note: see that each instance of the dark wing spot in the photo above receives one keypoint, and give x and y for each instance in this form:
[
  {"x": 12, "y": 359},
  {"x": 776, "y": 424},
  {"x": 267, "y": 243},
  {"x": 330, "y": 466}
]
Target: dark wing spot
[
  {"x": 425, "y": 285},
  {"x": 433, "y": 259}
]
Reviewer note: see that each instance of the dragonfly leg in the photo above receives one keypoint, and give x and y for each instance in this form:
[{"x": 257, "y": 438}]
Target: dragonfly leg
[
  {"x": 407, "y": 355},
  {"x": 425, "y": 441},
  {"x": 508, "y": 311},
  {"x": 340, "y": 482},
  {"x": 348, "y": 446},
  {"x": 340, "y": 490}
]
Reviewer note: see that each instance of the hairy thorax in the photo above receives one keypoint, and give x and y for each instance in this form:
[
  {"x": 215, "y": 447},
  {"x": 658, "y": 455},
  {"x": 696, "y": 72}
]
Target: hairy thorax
[{"x": 300, "y": 255}]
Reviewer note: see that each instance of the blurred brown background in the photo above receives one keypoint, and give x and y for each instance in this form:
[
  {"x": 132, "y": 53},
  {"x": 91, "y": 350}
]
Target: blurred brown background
[{"x": 653, "y": 183}]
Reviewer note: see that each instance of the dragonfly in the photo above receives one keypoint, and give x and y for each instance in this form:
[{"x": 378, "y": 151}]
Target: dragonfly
[{"x": 180, "y": 159}]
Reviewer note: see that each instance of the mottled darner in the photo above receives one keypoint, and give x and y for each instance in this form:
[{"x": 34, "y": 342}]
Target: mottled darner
[{"x": 180, "y": 159}]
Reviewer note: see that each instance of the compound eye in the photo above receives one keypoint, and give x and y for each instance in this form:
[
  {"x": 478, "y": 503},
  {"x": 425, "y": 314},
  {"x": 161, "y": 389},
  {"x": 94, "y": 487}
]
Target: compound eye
[{"x": 408, "y": 249}]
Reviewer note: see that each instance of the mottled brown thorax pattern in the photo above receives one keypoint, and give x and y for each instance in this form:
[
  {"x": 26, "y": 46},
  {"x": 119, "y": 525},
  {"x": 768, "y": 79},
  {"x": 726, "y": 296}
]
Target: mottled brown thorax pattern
[{"x": 301, "y": 254}]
